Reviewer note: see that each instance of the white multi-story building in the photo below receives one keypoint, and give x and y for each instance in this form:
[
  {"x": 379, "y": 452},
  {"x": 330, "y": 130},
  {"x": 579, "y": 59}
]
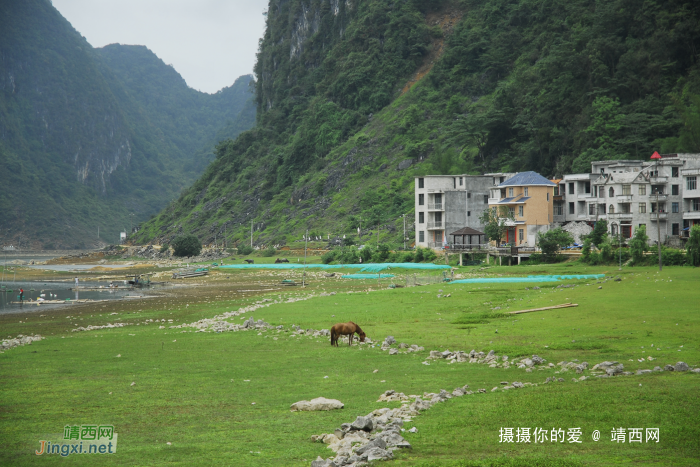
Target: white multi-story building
[
  {"x": 632, "y": 193},
  {"x": 447, "y": 203}
]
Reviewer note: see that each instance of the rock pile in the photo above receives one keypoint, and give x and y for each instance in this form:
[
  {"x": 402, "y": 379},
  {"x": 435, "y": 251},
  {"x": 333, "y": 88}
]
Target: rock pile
[
  {"x": 389, "y": 341},
  {"x": 19, "y": 340},
  {"x": 95, "y": 328},
  {"x": 578, "y": 230},
  {"x": 378, "y": 434}
]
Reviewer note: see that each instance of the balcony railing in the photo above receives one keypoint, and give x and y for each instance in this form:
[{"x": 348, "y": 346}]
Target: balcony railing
[
  {"x": 624, "y": 198},
  {"x": 435, "y": 206},
  {"x": 662, "y": 216},
  {"x": 436, "y": 225}
]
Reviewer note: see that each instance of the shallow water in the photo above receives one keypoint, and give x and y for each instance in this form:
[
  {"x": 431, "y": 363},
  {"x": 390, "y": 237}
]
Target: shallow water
[
  {"x": 9, "y": 302},
  {"x": 77, "y": 267}
]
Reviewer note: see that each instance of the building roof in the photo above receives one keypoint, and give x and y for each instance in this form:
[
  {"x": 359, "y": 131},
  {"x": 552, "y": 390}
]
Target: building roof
[
  {"x": 515, "y": 200},
  {"x": 467, "y": 231},
  {"x": 527, "y": 178}
]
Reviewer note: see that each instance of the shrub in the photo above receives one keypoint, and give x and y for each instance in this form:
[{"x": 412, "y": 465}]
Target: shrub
[
  {"x": 328, "y": 257},
  {"x": 382, "y": 253},
  {"x": 419, "y": 255},
  {"x": 269, "y": 251},
  {"x": 187, "y": 245},
  {"x": 600, "y": 233},
  {"x": 348, "y": 255},
  {"x": 693, "y": 246},
  {"x": 639, "y": 244},
  {"x": 244, "y": 249},
  {"x": 407, "y": 257},
  {"x": 429, "y": 255},
  {"x": 552, "y": 241},
  {"x": 672, "y": 257},
  {"x": 366, "y": 254}
]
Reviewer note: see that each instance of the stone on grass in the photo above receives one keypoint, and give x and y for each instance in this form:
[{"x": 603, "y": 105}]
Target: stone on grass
[
  {"x": 681, "y": 366},
  {"x": 320, "y": 403},
  {"x": 669, "y": 368},
  {"x": 363, "y": 424},
  {"x": 378, "y": 454},
  {"x": 390, "y": 340},
  {"x": 393, "y": 351}
]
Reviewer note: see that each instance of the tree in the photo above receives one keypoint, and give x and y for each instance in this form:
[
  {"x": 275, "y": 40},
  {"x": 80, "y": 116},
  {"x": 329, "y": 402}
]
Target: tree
[
  {"x": 496, "y": 222},
  {"x": 244, "y": 249},
  {"x": 639, "y": 244},
  {"x": 693, "y": 246},
  {"x": 551, "y": 242},
  {"x": 187, "y": 245},
  {"x": 600, "y": 233}
]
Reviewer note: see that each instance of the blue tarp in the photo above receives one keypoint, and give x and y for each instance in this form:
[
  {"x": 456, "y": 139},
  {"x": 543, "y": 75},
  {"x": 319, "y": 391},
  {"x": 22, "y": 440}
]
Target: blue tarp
[
  {"x": 366, "y": 276},
  {"x": 481, "y": 280},
  {"x": 372, "y": 267}
]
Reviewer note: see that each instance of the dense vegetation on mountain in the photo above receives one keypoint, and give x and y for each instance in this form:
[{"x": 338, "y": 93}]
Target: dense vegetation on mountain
[
  {"x": 346, "y": 119},
  {"x": 89, "y": 136}
]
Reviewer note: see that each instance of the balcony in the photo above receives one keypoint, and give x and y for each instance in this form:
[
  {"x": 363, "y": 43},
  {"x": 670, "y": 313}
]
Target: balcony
[
  {"x": 658, "y": 180},
  {"x": 435, "y": 207},
  {"x": 691, "y": 215},
  {"x": 624, "y": 198},
  {"x": 436, "y": 225},
  {"x": 662, "y": 196},
  {"x": 662, "y": 216}
]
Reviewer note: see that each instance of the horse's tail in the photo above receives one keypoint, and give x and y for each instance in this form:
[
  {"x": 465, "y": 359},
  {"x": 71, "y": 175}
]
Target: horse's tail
[{"x": 333, "y": 336}]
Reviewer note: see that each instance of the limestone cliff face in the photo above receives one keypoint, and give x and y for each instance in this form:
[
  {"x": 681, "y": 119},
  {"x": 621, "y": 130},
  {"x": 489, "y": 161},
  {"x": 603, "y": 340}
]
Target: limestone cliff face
[
  {"x": 55, "y": 99},
  {"x": 291, "y": 41}
]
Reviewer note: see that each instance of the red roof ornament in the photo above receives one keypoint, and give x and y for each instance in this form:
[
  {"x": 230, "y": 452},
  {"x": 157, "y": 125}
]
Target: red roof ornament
[{"x": 656, "y": 155}]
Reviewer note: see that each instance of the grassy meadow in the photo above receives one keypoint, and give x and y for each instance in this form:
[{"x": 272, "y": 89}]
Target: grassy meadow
[{"x": 223, "y": 398}]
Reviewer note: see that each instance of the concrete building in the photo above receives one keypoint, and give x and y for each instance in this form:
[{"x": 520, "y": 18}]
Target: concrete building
[
  {"x": 447, "y": 203},
  {"x": 628, "y": 193},
  {"x": 530, "y": 198}
]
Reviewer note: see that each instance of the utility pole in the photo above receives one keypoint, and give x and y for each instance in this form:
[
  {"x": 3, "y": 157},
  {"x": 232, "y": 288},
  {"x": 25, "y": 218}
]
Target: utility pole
[
  {"x": 619, "y": 236},
  {"x": 404, "y": 231},
  {"x": 306, "y": 244},
  {"x": 656, "y": 157},
  {"x": 251, "y": 234}
]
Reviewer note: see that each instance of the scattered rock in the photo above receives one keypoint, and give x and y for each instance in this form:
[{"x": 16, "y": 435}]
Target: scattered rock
[
  {"x": 320, "y": 403},
  {"x": 681, "y": 366}
]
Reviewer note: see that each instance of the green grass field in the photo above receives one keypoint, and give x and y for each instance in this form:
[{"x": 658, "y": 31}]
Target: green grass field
[{"x": 191, "y": 389}]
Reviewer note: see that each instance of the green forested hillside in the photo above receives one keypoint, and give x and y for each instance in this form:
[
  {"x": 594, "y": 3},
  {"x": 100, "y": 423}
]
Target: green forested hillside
[
  {"x": 509, "y": 85},
  {"x": 81, "y": 147}
]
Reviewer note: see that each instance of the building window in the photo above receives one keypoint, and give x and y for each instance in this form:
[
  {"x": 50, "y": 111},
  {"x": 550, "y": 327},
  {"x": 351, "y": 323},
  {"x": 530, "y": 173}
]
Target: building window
[
  {"x": 520, "y": 210},
  {"x": 469, "y": 195},
  {"x": 556, "y": 190},
  {"x": 461, "y": 181},
  {"x": 421, "y": 184},
  {"x": 642, "y": 189},
  {"x": 591, "y": 209},
  {"x": 626, "y": 231},
  {"x": 571, "y": 188},
  {"x": 521, "y": 235},
  {"x": 674, "y": 208},
  {"x": 642, "y": 208},
  {"x": 675, "y": 229},
  {"x": 602, "y": 208},
  {"x": 548, "y": 197},
  {"x": 486, "y": 199},
  {"x": 454, "y": 182},
  {"x": 558, "y": 208},
  {"x": 611, "y": 209},
  {"x": 510, "y": 192},
  {"x": 611, "y": 192},
  {"x": 421, "y": 199},
  {"x": 421, "y": 218},
  {"x": 696, "y": 204},
  {"x": 692, "y": 183},
  {"x": 469, "y": 213},
  {"x": 511, "y": 212},
  {"x": 502, "y": 179},
  {"x": 626, "y": 189},
  {"x": 421, "y": 236},
  {"x": 572, "y": 208},
  {"x": 587, "y": 187},
  {"x": 675, "y": 189},
  {"x": 526, "y": 191},
  {"x": 674, "y": 172}
]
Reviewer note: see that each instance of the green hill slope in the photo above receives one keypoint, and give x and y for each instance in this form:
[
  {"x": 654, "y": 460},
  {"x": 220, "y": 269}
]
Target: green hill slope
[
  {"x": 356, "y": 98},
  {"x": 82, "y": 147}
]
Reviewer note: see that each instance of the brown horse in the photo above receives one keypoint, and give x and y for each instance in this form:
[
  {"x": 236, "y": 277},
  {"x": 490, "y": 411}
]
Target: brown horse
[{"x": 346, "y": 329}]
